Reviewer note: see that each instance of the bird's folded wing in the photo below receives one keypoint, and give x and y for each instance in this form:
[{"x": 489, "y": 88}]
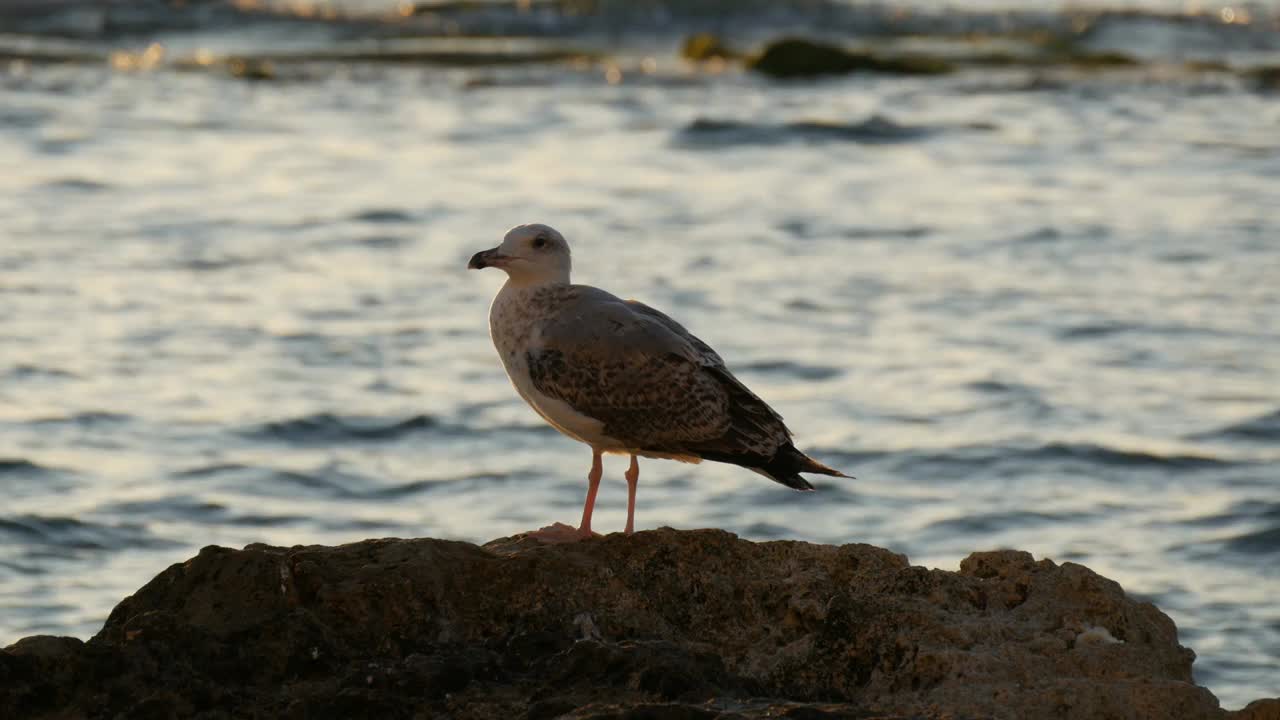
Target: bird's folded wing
[
  {"x": 636, "y": 370},
  {"x": 705, "y": 354}
]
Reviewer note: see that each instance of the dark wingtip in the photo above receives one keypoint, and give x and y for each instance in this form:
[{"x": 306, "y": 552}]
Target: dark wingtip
[
  {"x": 784, "y": 468},
  {"x": 789, "y": 460},
  {"x": 795, "y": 482}
]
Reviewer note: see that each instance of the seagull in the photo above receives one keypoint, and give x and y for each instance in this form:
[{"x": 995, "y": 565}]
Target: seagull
[{"x": 622, "y": 377}]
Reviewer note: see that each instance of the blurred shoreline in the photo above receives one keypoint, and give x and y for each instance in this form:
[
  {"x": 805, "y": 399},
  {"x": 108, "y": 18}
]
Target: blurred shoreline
[{"x": 262, "y": 41}]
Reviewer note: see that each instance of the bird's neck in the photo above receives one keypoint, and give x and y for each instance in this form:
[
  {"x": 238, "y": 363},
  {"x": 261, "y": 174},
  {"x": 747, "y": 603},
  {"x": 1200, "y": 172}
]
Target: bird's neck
[
  {"x": 516, "y": 310},
  {"x": 525, "y": 283}
]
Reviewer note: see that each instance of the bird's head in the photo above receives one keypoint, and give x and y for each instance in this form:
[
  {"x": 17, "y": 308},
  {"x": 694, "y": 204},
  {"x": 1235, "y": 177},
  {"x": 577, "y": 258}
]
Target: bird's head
[{"x": 533, "y": 254}]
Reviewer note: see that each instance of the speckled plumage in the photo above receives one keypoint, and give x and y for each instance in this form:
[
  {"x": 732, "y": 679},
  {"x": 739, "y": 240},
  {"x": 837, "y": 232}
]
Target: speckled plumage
[
  {"x": 623, "y": 377},
  {"x": 657, "y": 389}
]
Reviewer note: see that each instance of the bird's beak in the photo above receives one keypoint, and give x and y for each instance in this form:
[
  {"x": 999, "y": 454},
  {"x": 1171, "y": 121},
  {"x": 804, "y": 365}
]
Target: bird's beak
[{"x": 487, "y": 258}]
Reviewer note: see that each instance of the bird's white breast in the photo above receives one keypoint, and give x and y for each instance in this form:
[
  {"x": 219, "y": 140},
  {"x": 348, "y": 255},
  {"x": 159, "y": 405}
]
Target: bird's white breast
[{"x": 515, "y": 319}]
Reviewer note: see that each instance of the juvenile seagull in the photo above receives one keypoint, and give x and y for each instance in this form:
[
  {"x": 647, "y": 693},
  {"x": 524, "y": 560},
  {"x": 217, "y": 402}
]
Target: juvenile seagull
[{"x": 622, "y": 377}]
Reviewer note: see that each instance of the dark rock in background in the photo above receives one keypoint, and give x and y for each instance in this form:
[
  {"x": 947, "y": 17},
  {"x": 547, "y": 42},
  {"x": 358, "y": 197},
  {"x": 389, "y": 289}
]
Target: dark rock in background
[{"x": 800, "y": 58}]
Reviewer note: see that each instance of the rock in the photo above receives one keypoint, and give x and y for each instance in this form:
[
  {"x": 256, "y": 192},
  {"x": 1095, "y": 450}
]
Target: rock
[
  {"x": 1260, "y": 710},
  {"x": 705, "y": 46},
  {"x": 1266, "y": 78},
  {"x": 664, "y": 624},
  {"x": 800, "y": 58},
  {"x": 1101, "y": 60},
  {"x": 251, "y": 69}
]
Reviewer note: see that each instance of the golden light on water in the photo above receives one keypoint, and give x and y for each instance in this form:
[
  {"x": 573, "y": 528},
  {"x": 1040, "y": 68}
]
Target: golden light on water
[
  {"x": 203, "y": 57},
  {"x": 1235, "y": 16},
  {"x": 147, "y": 59},
  {"x": 301, "y": 8}
]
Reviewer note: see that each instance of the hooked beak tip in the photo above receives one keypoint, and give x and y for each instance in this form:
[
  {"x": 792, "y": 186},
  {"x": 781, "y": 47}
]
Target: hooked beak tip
[{"x": 492, "y": 257}]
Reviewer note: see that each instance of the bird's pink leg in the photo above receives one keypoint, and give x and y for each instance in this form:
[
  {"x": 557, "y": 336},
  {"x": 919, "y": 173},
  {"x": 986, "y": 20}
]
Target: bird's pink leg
[
  {"x": 561, "y": 533},
  {"x": 633, "y": 478},
  {"x": 593, "y": 484}
]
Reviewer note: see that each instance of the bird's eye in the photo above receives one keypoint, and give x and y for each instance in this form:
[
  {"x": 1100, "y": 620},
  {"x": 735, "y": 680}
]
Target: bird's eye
[{"x": 540, "y": 242}]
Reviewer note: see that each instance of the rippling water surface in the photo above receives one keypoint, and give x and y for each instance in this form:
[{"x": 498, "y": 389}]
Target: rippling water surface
[{"x": 1028, "y": 307}]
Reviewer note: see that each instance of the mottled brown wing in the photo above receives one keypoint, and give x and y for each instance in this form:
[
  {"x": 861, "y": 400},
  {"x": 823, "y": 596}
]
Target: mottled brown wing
[
  {"x": 755, "y": 428},
  {"x": 653, "y": 384},
  {"x": 629, "y": 371}
]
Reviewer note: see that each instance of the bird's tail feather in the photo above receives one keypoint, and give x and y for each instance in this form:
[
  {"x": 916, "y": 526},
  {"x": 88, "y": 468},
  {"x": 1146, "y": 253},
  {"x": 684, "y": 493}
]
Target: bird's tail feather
[
  {"x": 784, "y": 467},
  {"x": 788, "y": 463}
]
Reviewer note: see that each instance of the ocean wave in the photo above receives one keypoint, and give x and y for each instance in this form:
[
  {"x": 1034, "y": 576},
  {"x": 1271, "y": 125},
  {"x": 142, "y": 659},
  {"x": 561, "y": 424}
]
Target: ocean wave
[
  {"x": 1263, "y": 428},
  {"x": 796, "y": 370},
  {"x": 965, "y": 461},
  {"x": 329, "y": 481},
  {"x": 850, "y": 458},
  {"x": 75, "y": 184},
  {"x": 407, "y": 489},
  {"x": 217, "y": 262},
  {"x": 108, "y": 19},
  {"x": 997, "y": 387},
  {"x": 1265, "y": 541},
  {"x": 383, "y": 242},
  {"x": 26, "y": 479},
  {"x": 21, "y": 466},
  {"x": 328, "y": 428},
  {"x": 1117, "y": 457},
  {"x": 210, "y": 470},
  {"x": 88, "y": 418},
  {"x": 710, "y": 133},
  {"x": 1104, "y": 329},
  {"x": 465, "y": 483},
  {"x": 987, "y": 523},
  {"x": 325, "y": 482},
  {"x": 189, "y": 509},
  {"x": 33, "y": 372},
  {"x": 1244, "y": 511},
  {"x": 907, "y": 232},
  {"x": 383, "y": 215},
  {"x": 66, "y": 533}
]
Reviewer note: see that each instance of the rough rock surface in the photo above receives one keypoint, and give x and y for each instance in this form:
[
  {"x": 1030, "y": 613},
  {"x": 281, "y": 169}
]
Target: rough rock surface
[
  {"x": 801, "y": 58},
  {"x": 664, "y": 624}
]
